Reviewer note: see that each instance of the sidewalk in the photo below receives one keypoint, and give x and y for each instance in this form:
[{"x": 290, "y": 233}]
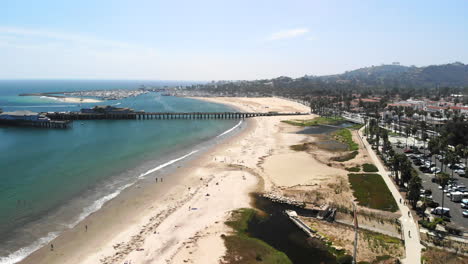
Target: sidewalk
[{"x": 410, "y": 227}]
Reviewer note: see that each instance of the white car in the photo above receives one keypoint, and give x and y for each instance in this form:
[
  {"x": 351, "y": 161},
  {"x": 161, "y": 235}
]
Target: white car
[
  {"x": 465, "y": 213},
  {"x": 440, "y": 211}
]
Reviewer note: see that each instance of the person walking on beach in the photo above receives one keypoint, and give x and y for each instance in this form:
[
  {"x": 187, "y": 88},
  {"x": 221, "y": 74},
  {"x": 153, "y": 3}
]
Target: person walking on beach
[
  {"x": 409, "y": 233},
  {"x": 86, "y": 228},
  {"x": 51, "y": 247}
]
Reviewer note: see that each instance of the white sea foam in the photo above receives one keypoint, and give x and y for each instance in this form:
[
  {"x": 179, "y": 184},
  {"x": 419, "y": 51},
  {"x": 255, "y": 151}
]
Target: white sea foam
[
  {"x": 50, "y": 97},
  {"x": 166, "y": 164},
  {"x": 22, "y": 253},
  {"x": 229, "y": 130},
  {"x": 98, "y": 204}
]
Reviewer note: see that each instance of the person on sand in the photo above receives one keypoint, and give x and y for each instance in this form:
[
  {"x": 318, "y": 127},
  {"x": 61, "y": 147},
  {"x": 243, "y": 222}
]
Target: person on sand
[
  {"x": 86, "y": 228},
  {"x": 51, "y": 247}
]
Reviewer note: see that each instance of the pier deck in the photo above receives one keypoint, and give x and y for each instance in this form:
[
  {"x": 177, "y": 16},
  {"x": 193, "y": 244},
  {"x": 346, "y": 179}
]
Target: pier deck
[{"x": 162, "y": 115}]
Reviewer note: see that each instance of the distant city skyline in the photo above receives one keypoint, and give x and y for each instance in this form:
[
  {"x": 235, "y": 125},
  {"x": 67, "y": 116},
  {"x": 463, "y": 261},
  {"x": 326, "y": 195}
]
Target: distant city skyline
[{"x": 217, "y": 40}]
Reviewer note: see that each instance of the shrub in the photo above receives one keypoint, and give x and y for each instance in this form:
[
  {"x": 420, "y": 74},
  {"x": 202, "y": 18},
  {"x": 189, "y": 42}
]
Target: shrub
[
  {"x": 346, "y": 157},
  {"x": 368, "y": 167},
  {"x": 353, "y": 169}
]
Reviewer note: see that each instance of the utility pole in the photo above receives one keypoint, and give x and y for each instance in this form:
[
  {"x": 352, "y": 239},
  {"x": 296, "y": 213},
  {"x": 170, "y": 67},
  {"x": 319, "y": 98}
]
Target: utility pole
[{"x": 356, "y": 227}]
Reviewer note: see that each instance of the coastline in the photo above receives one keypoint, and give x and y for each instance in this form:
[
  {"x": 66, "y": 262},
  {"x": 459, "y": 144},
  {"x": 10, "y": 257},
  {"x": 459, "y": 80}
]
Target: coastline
[{"x": 153, "y": 222}]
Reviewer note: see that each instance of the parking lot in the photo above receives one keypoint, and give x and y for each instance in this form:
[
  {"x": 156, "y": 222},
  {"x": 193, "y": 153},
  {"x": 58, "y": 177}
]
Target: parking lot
[{"x": 456, "y": 215}]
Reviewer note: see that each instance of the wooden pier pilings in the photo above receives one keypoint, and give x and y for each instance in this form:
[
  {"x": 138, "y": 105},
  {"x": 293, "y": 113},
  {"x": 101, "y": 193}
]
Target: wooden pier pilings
[
  {"x": 40, "y": 124},
  {"x": 160, "y": 115}
]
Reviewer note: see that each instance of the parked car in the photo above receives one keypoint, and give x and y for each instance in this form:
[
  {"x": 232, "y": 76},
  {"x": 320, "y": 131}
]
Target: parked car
[
  {"x": 441, "y": 211},
  {"x": 424, "y": 168},
  {"x": 426, "y": 191},
  {"x": 465, "y": 213}
]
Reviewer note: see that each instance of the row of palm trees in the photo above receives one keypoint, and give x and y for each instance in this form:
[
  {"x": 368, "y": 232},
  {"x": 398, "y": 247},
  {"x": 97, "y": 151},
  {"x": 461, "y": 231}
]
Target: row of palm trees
[
  {"x": 436, "y": 144},
  {"x": 401, "y": 167}
]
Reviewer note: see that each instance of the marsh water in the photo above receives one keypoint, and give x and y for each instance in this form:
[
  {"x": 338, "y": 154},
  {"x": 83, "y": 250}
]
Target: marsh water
[
  {"x": 281, "y": 233},
  {"x": 323, "y": 134},
  {"x": 324, "y": 129}
]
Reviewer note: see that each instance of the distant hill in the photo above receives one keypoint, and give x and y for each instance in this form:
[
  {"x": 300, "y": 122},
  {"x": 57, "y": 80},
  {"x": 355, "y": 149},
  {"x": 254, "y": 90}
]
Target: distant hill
[
  {"x": 407, "y": 81},
  {"x": 450, "y": 75}
]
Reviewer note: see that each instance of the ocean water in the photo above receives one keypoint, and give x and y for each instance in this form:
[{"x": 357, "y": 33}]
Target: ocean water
[{"x": 50, "y": 179}]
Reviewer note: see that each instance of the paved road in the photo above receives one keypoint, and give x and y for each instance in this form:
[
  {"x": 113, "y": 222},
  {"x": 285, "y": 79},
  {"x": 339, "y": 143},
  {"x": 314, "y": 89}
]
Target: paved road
[
  {"x": 455, "y": 208},
  {"x": 410, "y": 228}
]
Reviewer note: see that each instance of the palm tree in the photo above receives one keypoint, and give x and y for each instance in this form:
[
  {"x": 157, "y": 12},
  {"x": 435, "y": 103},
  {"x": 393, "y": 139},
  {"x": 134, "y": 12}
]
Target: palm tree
[
  {"x": 443, "y": 180},
  {"x": 407, "y": 132}
]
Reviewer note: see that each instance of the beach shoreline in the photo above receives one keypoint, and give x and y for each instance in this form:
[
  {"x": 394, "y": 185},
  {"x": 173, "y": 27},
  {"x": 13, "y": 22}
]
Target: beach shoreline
[{"x": 151, "y": 223}]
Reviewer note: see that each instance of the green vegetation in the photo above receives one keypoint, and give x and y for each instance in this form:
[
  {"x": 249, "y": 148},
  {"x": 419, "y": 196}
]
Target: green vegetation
[
  {"x": 354, "y": 169},
  {"x": 300, "y": 147},
  {"x": 431, "y": 225},
  {"x": 344, "y": 135},
  {"x": 371, "y": 191},
  {"x": 368, "y": 167},
  {"x": 316, "y": 121},
  {"x": 346, "y": 157},
  {"x": 240, "y": 246}
]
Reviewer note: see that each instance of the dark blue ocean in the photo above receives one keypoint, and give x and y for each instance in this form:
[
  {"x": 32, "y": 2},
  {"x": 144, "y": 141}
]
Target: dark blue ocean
[{"x": 52, "y": 178}]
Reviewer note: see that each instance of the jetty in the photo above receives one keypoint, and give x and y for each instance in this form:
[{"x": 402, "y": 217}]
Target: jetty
[{"x": 299, "y": 223}]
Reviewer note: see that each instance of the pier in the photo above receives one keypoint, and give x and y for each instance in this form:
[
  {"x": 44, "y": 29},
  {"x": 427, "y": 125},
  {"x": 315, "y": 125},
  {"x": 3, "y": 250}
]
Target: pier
[
  {"x": 39, "y": 124},
  {"x": 161, "y": 115}
]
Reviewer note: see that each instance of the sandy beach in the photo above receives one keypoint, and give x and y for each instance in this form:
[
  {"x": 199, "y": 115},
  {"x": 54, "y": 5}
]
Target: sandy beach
[{"x": 181, "y": 219}]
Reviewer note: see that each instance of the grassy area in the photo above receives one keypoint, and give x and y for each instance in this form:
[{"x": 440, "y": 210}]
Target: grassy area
[
  {"x": 371, "y": 191},
  {"x": 354, "y": 169},
  {"x": 346, "y": 157},
  {"x": 241, "y": 248},
  {"x": 344, "y": 135},
  {"x": 368, "y": 167},
  {"x": 321, "y": 120}
]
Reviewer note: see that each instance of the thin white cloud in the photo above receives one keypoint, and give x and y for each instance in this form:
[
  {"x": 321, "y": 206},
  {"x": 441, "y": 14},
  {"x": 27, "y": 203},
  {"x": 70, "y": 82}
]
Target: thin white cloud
[
  {"x": 287, "y": 34},
  {"x": 40, "y": 36}
]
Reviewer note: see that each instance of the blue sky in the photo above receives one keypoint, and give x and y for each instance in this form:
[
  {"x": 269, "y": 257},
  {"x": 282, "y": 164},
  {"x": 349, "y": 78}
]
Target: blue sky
[{"x": 224, "y": 40}]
